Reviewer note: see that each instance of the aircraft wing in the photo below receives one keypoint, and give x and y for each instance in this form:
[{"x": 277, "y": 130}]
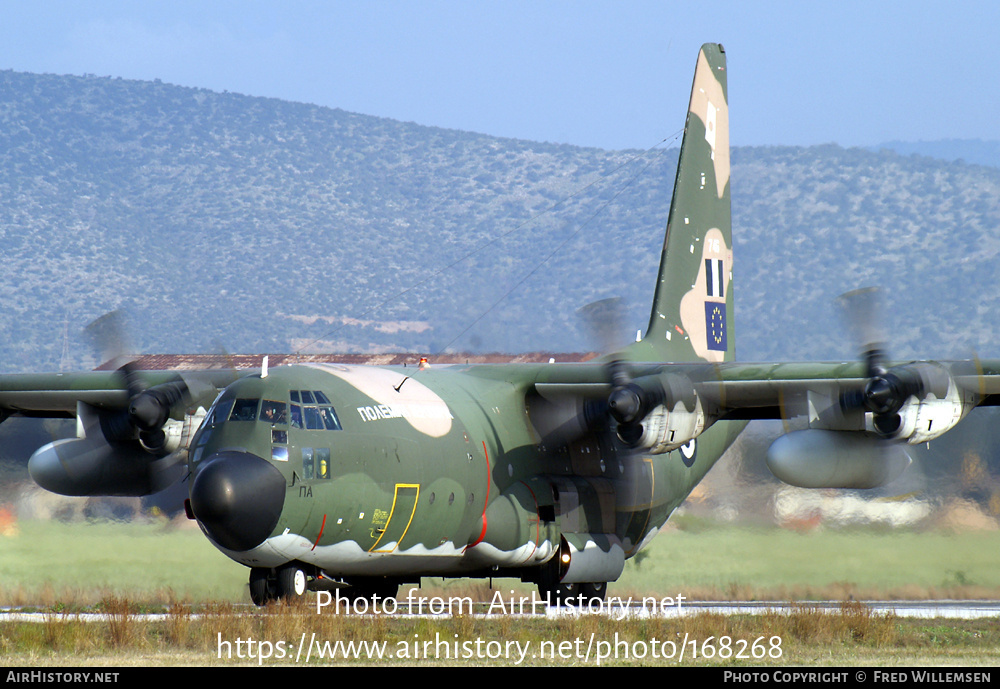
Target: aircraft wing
[
  {"x": 56, "y": 395},
  {"x": 845, "y": 414},
  {"x": 778, "y": 391},
  {"x": 130, "y": 425},
  {"x": 765, "y": 390},
  {"x": 774, "y": 391}
]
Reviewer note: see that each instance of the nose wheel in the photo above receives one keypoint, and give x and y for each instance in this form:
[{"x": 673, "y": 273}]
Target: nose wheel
[{"x": 287, "y": 583}]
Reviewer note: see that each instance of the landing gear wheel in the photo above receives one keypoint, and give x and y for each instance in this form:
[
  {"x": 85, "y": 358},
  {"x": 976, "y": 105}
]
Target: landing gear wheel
[
  {"x": 560, "y": 595},
  {"x": 595, "y": 589},
  {"x": 292, "y": 583},
  {"x": 261, "y": 586}
]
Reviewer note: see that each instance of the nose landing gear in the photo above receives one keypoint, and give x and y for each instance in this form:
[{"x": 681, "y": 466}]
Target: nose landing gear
[{"x": 288, "y": 583}]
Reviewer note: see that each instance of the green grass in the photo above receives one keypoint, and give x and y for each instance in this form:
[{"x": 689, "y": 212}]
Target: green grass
[
  {"x": 734, "y": 561},
  {"x": 86, "y": 561}
]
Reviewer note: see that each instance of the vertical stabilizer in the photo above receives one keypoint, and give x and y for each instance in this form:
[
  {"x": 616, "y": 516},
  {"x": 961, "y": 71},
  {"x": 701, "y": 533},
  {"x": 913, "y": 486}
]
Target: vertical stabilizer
[{"x": 692, "y": 316}]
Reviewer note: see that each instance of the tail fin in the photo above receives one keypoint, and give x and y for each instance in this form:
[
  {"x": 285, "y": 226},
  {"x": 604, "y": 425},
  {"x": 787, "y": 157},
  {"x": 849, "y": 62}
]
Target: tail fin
[{"x": 692, "y": 316}]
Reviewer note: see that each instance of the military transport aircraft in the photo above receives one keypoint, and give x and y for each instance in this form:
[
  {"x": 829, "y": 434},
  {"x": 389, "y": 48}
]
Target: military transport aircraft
[{"x": 364, "y": 477}]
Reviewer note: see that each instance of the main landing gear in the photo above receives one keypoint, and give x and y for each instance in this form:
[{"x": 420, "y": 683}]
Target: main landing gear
[
  {"x": 573, "y": 595},
  {"x": 289, "y": 583},
  {"x": 560, "y": 594}
]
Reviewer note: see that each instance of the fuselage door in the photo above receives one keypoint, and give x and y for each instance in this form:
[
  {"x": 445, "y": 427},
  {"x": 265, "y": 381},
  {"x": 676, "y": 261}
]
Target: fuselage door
[{"x": 397, "y": 522}]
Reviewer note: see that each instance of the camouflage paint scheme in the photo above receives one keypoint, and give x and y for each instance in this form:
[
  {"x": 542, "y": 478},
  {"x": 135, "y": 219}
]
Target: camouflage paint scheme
[{"x": 517, "y": 469}]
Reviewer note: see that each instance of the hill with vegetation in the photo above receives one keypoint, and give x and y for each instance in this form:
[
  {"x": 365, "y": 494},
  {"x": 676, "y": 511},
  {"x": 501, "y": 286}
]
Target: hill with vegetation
[
  {"x": 975, "y": 151},
  {"x": 222, "y": 221}
]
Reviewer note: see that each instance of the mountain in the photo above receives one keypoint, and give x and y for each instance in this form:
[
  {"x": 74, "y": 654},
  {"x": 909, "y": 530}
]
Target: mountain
[
  {"x": 222, "y": 221},
  {"x": 975, "y": 151}
]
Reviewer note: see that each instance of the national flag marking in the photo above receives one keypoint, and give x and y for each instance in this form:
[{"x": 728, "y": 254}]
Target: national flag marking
[{"x": 715, "y": 280}]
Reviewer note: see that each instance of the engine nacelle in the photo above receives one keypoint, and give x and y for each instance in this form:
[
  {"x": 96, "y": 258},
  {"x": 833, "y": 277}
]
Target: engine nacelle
[
  {"x": 176, "y": 435},
  {"x": 922, "y": 419},
  {"x": 665, "y": 429}
]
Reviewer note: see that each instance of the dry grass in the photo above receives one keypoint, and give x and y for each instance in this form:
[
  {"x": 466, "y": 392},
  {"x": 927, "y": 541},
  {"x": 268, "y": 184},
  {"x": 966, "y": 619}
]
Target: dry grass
[
  {"x": 199, "y": 634},
  {"x": 123, "y": 626}
]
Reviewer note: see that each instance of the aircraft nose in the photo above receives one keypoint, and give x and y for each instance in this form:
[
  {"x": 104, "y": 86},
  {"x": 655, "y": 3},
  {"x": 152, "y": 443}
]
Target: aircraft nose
[{"x": 238, "y": 497}]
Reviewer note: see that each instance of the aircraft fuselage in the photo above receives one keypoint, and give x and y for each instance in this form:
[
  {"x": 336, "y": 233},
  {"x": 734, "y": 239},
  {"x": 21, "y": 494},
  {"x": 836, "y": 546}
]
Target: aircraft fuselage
[{"x": 436, "y": 471}]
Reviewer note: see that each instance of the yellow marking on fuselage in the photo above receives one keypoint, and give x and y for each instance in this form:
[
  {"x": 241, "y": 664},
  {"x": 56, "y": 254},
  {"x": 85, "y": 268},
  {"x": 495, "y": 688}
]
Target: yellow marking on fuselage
[{"x": 392, "y": 511}]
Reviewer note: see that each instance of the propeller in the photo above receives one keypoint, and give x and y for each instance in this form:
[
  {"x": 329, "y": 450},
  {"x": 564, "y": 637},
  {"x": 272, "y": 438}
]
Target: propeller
[
  {"x": 624, "y": 407},
  {"x": 885, "y": 390},
  {"x": 148, "y": 408},
  {"x": 627, "y": 403},
  {"x": 123, "y": 450},
  {"x": 833, "y": 452},
  {"x": 630, "y": 398},
  {"x": 860, "y": 310}
]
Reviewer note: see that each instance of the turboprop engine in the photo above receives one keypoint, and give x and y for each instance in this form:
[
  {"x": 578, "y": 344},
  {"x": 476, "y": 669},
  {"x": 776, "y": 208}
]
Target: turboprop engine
[
  {"x": 134, "y": 451},
  {"x": 654, "y": 413},
  {"x": 915, "y": 403},
  {"x": 907, "y": 404},
  {"x": 658, "y": 413}
]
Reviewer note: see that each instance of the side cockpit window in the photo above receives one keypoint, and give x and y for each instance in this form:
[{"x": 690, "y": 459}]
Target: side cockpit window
[
  {"x": 315, "y": 462},
  {"x": 245, "y": 410},
  {"x": 273, "y": 412},
  {"x": 219, "y": 412},
  {"x": 312, "y": 418}
]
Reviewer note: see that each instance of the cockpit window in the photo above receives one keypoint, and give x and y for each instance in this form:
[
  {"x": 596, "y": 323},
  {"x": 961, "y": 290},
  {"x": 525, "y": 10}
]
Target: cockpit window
[
  {"x": 330, "y": 419},
  {"x": 273, "y": 412},
  {"x": 245, "y": 410},
  {"x": 321, "y": 418},
  {"x": 219, "y": 412},
  {"x": 312, "y": 418}
]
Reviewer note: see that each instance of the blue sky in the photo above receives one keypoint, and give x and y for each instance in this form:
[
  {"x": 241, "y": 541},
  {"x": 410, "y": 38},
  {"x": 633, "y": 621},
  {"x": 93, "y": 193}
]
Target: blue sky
[{"x": 593, "y": 73}]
